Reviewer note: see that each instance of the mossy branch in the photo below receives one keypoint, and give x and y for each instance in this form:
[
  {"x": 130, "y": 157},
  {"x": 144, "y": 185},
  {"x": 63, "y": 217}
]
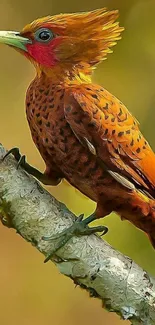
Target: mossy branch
[{"x": 122, "y": 286}]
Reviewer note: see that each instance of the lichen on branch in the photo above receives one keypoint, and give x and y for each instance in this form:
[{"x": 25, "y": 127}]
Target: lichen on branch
[{"x": 122, "y": 286}]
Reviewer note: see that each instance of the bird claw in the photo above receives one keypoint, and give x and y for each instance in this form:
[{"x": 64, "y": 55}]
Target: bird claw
[
  {"x": 15, "y": 152},
  {"x": 79, "y": 228},
  {"x": 21, "y": 160}
]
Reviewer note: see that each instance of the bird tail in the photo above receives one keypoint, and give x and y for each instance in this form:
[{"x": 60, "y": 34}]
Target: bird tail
[{"x": 141, "y": 213}]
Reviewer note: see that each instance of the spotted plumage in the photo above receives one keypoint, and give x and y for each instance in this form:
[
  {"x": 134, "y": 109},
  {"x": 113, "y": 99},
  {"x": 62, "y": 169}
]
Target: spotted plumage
[{"x": 84, "y": 133}]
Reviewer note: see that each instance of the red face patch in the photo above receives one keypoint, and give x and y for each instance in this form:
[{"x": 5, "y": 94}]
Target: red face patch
[{"x": 44, "y": 53}]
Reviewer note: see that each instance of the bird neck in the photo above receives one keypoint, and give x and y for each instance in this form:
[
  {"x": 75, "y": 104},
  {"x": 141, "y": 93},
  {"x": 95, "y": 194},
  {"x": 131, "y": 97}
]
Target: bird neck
[{"x": 67, "y": 74}]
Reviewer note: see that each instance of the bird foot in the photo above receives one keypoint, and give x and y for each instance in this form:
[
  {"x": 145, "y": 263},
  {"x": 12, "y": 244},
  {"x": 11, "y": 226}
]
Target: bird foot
[
  {"x": 79, "y": 228},
  {"x": 21, "y": 160},
  {"x": 15, "y": 152}
]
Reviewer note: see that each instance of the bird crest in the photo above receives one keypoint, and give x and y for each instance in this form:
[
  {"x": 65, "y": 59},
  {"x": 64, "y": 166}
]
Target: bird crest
[{"x": 85, "y": 37}]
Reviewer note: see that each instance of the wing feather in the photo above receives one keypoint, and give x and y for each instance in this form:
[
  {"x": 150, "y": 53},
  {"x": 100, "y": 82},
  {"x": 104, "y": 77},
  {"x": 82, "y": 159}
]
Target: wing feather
[{"x": 94, "y": 114}]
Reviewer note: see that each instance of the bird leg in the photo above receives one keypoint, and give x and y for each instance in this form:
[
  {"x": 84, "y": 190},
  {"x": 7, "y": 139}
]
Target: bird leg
[
  {"x": 79, "y": 228},
  {"x": 42, "y": 177}
]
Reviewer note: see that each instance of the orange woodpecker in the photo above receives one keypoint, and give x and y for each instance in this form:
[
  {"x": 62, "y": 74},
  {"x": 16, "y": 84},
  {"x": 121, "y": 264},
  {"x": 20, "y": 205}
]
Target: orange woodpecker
[{"x": 84, "y": 133}]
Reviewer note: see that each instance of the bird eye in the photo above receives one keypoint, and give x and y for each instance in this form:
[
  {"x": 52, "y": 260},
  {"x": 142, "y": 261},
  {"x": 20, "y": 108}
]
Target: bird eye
[{"x": 44, "y": 35}]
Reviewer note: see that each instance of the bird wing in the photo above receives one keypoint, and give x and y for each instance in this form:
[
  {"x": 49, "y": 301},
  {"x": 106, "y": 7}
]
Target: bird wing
[{"x": 103, "y": 124}]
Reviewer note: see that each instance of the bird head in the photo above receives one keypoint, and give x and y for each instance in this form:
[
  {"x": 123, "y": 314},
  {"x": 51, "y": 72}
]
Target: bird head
[{"x": 71, "y": 40}]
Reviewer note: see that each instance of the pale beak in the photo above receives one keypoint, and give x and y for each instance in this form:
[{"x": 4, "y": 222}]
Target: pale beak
[{"x": 14, "y": 39}]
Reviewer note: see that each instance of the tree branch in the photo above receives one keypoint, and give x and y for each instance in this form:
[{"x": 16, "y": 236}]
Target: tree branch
[{"x": 122, "y": 285}]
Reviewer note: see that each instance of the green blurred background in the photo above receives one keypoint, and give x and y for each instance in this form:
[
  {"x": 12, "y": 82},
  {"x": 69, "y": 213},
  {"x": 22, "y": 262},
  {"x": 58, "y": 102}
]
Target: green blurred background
[{"x": 31, "y": 292}]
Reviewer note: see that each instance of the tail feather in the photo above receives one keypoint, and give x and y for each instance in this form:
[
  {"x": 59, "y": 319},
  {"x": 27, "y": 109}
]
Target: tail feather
[{"x": 141, "y": 213}]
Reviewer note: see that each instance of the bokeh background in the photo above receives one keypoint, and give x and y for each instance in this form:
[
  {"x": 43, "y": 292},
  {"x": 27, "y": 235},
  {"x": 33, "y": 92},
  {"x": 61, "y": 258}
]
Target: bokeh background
[{"x": 31, "y": 292}]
